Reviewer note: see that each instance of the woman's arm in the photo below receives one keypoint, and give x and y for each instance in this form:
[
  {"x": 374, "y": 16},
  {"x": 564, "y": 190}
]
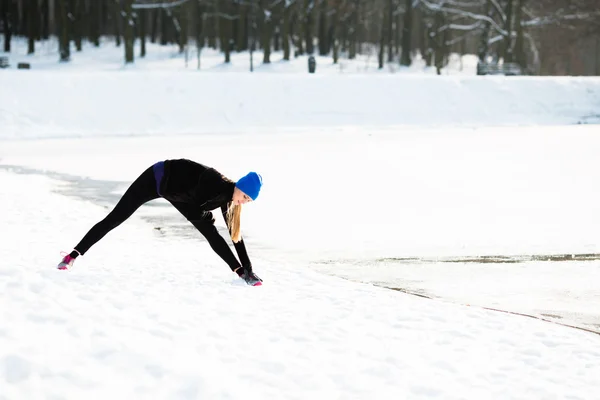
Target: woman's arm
[{"x": 240, "y": 246}]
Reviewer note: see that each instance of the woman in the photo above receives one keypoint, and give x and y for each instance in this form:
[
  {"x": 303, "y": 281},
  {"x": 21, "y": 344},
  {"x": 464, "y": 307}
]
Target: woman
[{"x": 193, "y": 189}]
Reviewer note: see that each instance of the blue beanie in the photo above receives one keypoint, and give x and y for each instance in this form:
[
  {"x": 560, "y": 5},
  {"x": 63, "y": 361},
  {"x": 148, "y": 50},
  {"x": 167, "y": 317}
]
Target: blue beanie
[{"x": 250, "y": 184}]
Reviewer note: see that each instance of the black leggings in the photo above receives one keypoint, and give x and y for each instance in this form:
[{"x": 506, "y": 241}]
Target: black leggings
[
  {"x": 141, "y": 191},
  {"x": 144, "y": 189}
]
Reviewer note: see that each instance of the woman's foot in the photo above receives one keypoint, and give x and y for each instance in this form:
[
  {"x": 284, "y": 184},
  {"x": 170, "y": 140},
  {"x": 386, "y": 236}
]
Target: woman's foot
[
  {"x": 250, "y": 277},
  {"x": 66, "y": 263}
]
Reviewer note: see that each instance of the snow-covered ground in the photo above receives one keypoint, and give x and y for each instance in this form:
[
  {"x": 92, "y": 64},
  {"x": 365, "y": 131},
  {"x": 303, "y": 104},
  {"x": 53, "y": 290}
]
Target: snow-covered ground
[{"x": 372, "y": 185}]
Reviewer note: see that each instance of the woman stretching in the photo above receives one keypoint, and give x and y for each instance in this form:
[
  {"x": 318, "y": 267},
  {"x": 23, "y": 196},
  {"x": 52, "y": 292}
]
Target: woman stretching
[{"x": 193, "y": 189}]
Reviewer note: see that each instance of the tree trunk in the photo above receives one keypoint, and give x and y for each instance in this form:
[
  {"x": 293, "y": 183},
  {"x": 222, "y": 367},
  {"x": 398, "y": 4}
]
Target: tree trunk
[
  {"x": 508, "y": 49},
  {"x": 323, "y": 42},
  {"x": 353, "y": 36},
  {"x": 180, "y": 19},
  {"x": 45, "y": 28},
  {"x": 78, "y": 23},
  {"x": 405, "y": 58},
  {"x": 164, "y": 27},
  {"x": 342, "y": 33},
  {"x": 398, "y": 33},
  {"x": 142, "y": 16},
  {"x": 520, "y": 55},
  {"x": 65, "y": 46},
  {"x": 267, "y": 33},
  {"x": 334, "y": 34},
  {"x": 597, "y": 72},
  {"x": 276, "y": 37},
  {"x": 380, "y": 56},
  {"x": 390, "y": 30},
  {"x": 210, "y": 32},
  {"x": 155, "y": 20},
  {"x": 253, "y": 31},
  {"x": 199, "y": 30},
  {"x": 300, "y": 25},
  {"x": 242, "y": 28},
  {"x": 363, "y": 12},
  {"x": 6, "y": 22},
  {"x": 309, "y": 7},
  {"x": 226, "y": 35},
  {"x": 129, "y": 32},
  {"x": 95, "y": 23},
  {"x": 104, "y": 10},
  {"x": 117, "y": 16},
  {"x": 32, "y": 24},
  {"x": 285, "y": 32},
  {"x": 439, "y": 42},
  {"x": 483, "y": 50}
]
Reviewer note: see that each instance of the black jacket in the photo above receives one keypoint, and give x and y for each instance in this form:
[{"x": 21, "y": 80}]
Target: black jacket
[{"x": 196, "y": 189}]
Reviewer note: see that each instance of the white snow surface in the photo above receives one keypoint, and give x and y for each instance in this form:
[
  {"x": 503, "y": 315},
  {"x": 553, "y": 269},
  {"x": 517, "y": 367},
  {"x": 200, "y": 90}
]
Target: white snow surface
[
  {"x": 147, "y": 317},
  {"x": 404, "y": 165}
]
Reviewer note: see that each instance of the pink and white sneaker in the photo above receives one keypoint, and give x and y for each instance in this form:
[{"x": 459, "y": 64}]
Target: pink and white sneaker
[{"x": 66, "y": 263}]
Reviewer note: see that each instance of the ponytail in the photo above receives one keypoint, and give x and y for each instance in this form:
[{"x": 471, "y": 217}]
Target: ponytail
[{"x": 233, "y": 222}]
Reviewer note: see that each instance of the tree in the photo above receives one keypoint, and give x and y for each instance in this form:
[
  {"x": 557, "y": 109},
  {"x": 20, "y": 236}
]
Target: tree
[
  {"x": 267, "y": 29},
  {"x": 353, "y": 30},
  {"x": 390, "y": 29},
  {"x": 63, "y": 12},
  {"x": 45, "y": 10},
  {"x": 77, "y": 22},
  {"x": 7, "y": 10},
  {"x": 308, "y": 26},
  {"x": 116, "y": 12},
  {"x": 323, "y": 42},
  {"x": 334, "y": 35},
  {"x": 129, "y": 31},
  {"x": 94, "y": 19},
  {"x": 142, "y": 16},
  {"x": 382, "y": 39},
  {"x": 242, "y": 27},
  {"x": 33, "y": 24},
  {"x": 285, "y": 29},
  {"x": 405, "y": 58}
]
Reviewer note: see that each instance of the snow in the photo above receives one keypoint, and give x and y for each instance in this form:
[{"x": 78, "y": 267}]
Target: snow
[{"x": 396, "y": 185}]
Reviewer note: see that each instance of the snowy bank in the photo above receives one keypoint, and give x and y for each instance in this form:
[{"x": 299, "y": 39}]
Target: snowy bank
[{"x": 65, "y": 103}]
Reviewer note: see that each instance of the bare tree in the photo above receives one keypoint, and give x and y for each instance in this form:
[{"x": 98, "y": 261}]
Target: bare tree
[
  {"x": 142, "y": 16},
  {"x": 32, "y": 12},
  {"x": 322, "y": 31},
  {"x": 390, "y": 29},
  {"x": 405, "y": 58},
  {"x": 266, "y": 20},
  {"x": 129, "y": 31},
  {"x": 383, "y": 24},
  {"x": 65, "y": 50},
  {"x": 116, "y": 12},
  {"x": 309, "y": 7},
  {"x": 94, "y": 25},
  {"x": 285, "y": 29},
  {"x": 334, "y": 34},
  {"x": 353, "y": 30},
  {"x": 45, "y": 21}
]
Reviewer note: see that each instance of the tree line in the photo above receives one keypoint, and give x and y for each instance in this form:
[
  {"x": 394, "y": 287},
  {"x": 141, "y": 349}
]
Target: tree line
[{"x": 555, "y": 37}]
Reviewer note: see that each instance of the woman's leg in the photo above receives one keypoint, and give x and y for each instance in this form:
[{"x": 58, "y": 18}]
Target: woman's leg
[{"x": 142, "y": 190}]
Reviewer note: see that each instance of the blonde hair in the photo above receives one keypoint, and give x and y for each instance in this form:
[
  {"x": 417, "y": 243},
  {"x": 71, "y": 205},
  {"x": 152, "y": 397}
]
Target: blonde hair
[{"x": 233, "y": 222}]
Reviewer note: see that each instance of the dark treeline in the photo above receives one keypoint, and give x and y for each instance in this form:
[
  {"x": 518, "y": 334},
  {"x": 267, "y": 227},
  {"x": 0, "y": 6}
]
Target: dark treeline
[{"x": 546, "y": 37}]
